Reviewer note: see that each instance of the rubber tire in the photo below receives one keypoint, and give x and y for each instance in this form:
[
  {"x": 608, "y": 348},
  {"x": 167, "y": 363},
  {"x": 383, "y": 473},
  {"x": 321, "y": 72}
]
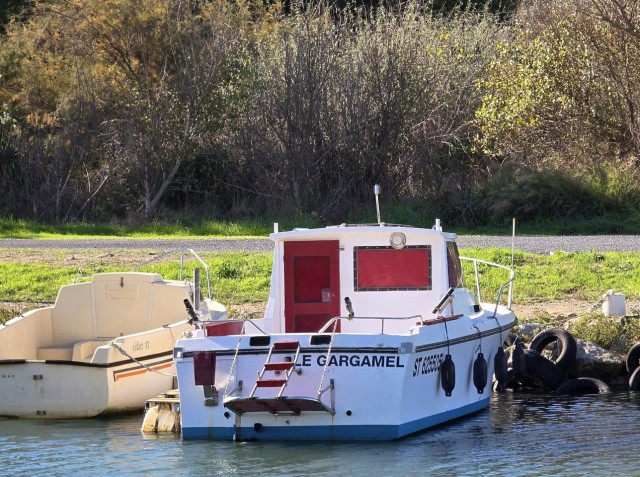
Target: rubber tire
[
  {"x": 567, "y": 346},
  {"x": 524, "y": 384},
  {"x": 510, "y": 340},
  {"x": 544, "y": 372},
  {"x": 634, "y": 380},
  {"x": 633, "y": 358},
  {"x": 584, "y": 386}
]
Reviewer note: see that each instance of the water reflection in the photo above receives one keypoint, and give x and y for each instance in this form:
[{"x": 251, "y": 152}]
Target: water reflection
[{"x": 519, "y": 435}]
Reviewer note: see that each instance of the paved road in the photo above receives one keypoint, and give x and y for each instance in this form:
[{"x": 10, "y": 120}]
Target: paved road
[{"x": 545, "y": 245}]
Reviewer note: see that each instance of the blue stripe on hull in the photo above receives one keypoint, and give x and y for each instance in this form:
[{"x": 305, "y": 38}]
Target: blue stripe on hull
[{"x": 360, "y": 432}]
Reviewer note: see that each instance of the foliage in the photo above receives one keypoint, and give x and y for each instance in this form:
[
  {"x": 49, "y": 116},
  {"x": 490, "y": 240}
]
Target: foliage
[
  {"x": 111, "y": 98},
  {"x": 366, "y": 99},
  {"x": 562, "y": 92},
  {"x": 522, "y": 87},
  {"x": 614, "y": 333},
  {"x": 555, "y": 194},
  {"x": 13, "y": 10},
  {"x": 235, "y": 108},
  {"x": 174, "y": 110}
]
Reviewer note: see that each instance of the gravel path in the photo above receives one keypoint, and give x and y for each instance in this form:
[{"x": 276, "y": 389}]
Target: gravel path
[{"x": 545, "y": 245}]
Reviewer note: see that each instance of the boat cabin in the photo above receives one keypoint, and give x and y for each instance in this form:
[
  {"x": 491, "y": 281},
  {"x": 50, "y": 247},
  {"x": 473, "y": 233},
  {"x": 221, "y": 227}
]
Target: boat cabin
[{"x": 365, "y": 272}]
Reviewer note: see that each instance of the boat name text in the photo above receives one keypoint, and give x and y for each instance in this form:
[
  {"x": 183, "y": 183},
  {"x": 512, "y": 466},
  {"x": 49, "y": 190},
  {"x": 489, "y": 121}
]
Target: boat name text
[
  {"x": 355, "y": 360},
  {"x": 8, "y": 376},
  {"x": 141, "y": 346},
  {"x": 427, "y": 364}
]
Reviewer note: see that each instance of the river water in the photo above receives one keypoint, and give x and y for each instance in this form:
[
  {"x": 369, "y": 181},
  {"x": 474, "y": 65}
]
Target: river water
[{"x": 519, "y": 435}]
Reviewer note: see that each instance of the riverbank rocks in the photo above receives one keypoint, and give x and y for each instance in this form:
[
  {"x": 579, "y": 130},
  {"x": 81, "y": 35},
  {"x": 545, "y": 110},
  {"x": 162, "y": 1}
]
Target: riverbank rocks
[
  {"x": 594, "y": 361},
  {"x": 527, "y": 331}
]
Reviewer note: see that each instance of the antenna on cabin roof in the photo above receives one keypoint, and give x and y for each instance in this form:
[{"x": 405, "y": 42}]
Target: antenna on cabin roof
[{"x": 376, "y": 191}]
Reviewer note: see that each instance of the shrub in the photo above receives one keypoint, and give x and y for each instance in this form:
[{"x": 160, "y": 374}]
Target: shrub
[{"x": 614, "y": 333}]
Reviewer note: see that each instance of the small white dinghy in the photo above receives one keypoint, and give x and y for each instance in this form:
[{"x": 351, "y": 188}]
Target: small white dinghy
[
  {"x": 102, "y": 348},
  {"x": 370, "y": 332}
]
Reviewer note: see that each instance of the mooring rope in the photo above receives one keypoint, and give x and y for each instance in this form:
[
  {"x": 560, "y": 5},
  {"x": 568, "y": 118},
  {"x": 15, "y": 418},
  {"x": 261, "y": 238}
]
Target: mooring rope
[
  {"x": 326, "y": 363},
  {"x": 116, "y": 346},
  {"x": 235, "y": 358}
]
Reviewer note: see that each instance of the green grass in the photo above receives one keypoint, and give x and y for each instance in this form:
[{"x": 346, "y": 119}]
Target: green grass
[
  {"x": 244, "y": 277},
  {"x": 10, "y": 228},
  {"x": 582, "y": 276},
  {"x": 235, "y": 277},
  {"x": 610, "y": 224},
  {"x": 241, "y": 278},
  {"x": 418, "y": 215}
]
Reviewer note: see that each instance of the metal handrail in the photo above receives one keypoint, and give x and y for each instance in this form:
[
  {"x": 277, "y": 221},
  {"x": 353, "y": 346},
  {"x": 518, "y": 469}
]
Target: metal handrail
[
  {"x": 509, "y": 282},
  {"x": 182, "y": 254},
  {"x": 336, "y": 318}
]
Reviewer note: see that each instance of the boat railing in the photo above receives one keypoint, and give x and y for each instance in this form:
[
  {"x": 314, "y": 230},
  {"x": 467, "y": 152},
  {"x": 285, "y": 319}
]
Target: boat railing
[
  {"x": 382, "y": 319},
  {"x": 183, "y": 252},
  {"x": 508, "y": 284}
]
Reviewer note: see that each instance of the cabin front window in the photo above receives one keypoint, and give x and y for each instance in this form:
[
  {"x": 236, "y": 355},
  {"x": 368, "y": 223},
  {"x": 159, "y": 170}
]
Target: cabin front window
[
  {"x": 454, "y": 265},
  {"x": 386, "y": 268}
]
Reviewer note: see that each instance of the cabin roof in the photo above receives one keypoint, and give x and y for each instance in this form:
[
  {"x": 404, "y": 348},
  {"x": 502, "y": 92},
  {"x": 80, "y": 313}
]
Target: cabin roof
[{"x": 355, "y": 229}]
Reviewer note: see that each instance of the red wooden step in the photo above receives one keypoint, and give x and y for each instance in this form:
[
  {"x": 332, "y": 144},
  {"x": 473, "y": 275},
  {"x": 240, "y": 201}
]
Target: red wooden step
[
  {"x": 270, "y": 383},
  {"x": 286, "y": 345},
  {"x": 278, "y": 366}
]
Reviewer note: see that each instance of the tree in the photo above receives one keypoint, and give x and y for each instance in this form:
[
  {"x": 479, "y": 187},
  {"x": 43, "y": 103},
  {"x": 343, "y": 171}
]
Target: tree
[
  {"x": 181, "y": 67},
  {"x": 564, "y": 90},
  {"x": 12, "y": 9},
  {"x": 347, "y": 101},
  {"x": 111, "y": 98}
]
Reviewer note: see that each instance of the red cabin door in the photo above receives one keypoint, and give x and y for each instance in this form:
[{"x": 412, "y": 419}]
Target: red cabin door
[{"x": 311, "y": 285}]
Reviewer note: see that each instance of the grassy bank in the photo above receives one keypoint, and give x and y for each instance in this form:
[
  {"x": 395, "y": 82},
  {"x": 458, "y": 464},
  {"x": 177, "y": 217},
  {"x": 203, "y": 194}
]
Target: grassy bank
[
  {"x": 182, "y": 229},
  {"x": 32, "y": 277},
  {"x": 396, "y": 213},
  {"x": 35, "y": 276}
]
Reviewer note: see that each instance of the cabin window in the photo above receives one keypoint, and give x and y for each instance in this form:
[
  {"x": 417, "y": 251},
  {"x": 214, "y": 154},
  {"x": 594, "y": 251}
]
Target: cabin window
[
  {"x": 386, "y": 268},
  {"x": 456, "y": 278}
]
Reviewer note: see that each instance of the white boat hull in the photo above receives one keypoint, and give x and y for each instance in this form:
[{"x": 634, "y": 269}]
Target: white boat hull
[
  {"x": 104, "y": 347},
  {"x": 379, "y": 387},
  {"x": 61, "y": 390}
]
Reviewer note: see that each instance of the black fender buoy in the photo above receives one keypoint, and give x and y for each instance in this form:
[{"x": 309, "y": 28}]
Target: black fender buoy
[
  {"x": 500, "y": 369},
  {"x": 518, "y": 360},
  {"x": 564, "y": 348},
  {"x": 448, "y": 375},
  {"x": 633, "y": 358},
  {"x": 583, "y": 386},
  {"x": 480, "y": 369}
]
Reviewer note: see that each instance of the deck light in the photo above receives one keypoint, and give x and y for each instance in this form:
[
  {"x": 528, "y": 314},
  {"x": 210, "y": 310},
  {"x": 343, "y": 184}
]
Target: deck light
[{"x": 398, "y": 240}]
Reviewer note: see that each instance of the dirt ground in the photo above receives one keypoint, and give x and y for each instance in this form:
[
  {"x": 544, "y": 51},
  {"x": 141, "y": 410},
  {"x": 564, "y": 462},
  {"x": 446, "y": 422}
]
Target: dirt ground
[{"x": 567, "y": 309}]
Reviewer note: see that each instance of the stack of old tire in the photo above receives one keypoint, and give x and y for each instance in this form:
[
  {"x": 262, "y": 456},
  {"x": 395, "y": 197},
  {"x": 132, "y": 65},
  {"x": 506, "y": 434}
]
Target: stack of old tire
[
  {"x": 542, "y": 366},
  {"x": 633, "y": 367}
]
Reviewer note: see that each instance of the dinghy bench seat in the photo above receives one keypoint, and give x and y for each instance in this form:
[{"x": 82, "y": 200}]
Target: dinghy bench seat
[
  {"x": 80, "y": 351},
  {"x": 83, "y": 350},
  {"x": 54, "y": 354}
]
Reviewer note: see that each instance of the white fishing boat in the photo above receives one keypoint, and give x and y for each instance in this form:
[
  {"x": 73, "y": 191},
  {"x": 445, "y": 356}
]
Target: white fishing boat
[
  {"x": 102, "y": 348},
  {"x": 370, "y": 332}
]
